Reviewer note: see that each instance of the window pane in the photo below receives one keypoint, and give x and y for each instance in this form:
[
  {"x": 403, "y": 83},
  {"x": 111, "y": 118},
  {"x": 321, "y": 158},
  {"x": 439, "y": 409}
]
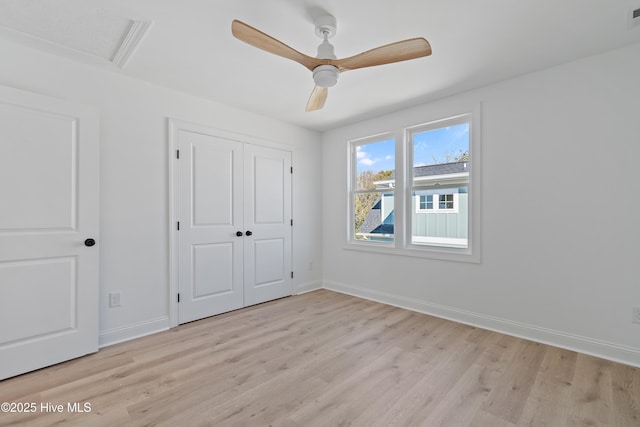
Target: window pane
[
  {"x": 375, "y": 163},
  {"x": 374, "y": 211},
  {"x": 441, "y": 146},
  {"x": 441, "y": 172},
  {"x": 374, "y": 217}
]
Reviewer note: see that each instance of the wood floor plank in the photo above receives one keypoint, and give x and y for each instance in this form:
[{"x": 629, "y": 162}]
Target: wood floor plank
[
  {"x": 592, "y": 393},
  {"x": 549, "y": 402},
  {"x": 329, "y": 359},
  {"x": 626, "y": 395}
]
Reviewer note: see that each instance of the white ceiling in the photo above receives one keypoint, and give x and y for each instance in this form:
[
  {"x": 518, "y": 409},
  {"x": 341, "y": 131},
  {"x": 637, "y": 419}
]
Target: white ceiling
[{"x": 189, "y": 46}]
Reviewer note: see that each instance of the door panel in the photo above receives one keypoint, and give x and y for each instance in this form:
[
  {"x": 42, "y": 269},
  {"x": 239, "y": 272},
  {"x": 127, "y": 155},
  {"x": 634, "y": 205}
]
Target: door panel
[
  {"x": 210, "y": 206},
  {"x": 49, "y": 191},
  {"x": 268, "y": 193},
  {"x": 269, "y": 261},
  {"x": 211, "y": 277},
  {"x": 49, "y": 137},
  {"x": 212, "y": 184},
  {"x": 267, "y": 214},
  {"x": 50, "y": 308}
]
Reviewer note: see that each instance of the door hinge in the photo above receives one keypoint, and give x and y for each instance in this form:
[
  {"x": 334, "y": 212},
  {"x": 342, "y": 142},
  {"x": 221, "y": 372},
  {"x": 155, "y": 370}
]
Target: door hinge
[
  {"x": 292, "y": 223},
  {"x": 291, "y": 169},
  {"x": 292, "y": 274},
  {"x": 178, "y": 296},
  {"x": 178, "y": 225},
  {"x": 177, "y": 154}
]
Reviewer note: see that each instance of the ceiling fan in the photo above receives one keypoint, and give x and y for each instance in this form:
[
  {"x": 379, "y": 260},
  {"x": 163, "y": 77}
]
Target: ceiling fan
[{"x": 325, "y": 66}]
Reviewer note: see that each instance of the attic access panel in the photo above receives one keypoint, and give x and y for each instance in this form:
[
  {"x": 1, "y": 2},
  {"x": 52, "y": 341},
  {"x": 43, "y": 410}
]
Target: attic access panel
[{"x": 84, "y": 26}]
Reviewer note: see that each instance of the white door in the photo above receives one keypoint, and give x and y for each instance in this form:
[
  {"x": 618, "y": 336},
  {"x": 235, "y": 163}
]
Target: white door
[
  {"x": 234, "y": 214},
  {"x": 210, "y": 212},
  {"x": 267, "y": 216},
  {"x": 48, "y": 209}
]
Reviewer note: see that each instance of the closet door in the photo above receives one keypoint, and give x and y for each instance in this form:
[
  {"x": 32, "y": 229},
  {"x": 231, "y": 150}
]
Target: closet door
[
  {"x": 233, "y": 206},
  {"x": 210, "y": 251},
  {"x": 267, "y": 222}
]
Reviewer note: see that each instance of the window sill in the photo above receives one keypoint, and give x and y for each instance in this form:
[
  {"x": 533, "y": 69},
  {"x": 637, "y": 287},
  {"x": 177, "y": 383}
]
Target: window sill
[{"x": 440, "y": 253}]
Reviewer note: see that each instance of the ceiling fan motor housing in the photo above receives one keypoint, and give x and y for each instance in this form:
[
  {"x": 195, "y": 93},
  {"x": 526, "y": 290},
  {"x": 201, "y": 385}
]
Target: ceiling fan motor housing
[
  {"x": 325, "y": 75},
  {"x": 326, "y": 25}
]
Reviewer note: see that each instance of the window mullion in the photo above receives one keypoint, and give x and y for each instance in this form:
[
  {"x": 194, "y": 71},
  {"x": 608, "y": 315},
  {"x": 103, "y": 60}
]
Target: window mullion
[{"x": 401, "y": 194}]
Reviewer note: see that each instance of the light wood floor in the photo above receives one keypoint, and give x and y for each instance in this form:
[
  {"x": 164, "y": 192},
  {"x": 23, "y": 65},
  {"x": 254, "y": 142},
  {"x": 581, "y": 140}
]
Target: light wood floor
[{"x": 327, "y": 359}]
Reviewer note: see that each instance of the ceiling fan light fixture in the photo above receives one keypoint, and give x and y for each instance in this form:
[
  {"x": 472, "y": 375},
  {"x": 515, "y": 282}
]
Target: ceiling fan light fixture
[{"x": 325, "y": 75}]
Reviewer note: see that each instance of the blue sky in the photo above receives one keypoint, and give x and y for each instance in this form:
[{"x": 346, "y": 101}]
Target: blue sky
[
  {"x": 376, "y": 156},
  {"x": 430, "y": 147}
]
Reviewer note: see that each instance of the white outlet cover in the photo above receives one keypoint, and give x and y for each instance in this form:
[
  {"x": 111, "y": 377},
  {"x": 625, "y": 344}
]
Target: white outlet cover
[{"x": 114, "y": 299}]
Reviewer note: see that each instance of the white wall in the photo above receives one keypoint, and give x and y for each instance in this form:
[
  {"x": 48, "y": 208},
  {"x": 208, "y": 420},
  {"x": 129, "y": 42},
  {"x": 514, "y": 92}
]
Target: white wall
[
  {"x": 561, "y": 202},
  {"x": 134, "y": 253}
]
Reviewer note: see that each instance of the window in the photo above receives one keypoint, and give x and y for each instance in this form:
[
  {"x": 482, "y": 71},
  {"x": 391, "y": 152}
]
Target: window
[
  {"x": 446, "y": 202},
  {"x": 426, "y": 204},
  {"x": 373, "y": 195}
]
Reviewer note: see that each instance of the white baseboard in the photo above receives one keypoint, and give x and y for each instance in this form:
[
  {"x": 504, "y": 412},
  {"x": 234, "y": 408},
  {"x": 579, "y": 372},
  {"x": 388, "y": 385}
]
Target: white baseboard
[
  {"x": 307, "y": 287},
  {"x": 590, "y": 346},
  {"x": 117, "y": 335},
  {"x": 129, "y": 332}
]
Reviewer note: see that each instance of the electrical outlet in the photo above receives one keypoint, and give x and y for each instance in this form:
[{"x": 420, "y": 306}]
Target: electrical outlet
[
  {"x": 636, "y": 315},
  {"x": 114, "y": 299},
  {"x": 633, "y": 18}
]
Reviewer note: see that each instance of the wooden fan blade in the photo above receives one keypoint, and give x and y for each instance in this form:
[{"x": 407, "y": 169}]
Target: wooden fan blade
[
  {"x": 263, "y": 41},
  {"x": 317, "y": 98},
  {"x": 387, "y": 54}
]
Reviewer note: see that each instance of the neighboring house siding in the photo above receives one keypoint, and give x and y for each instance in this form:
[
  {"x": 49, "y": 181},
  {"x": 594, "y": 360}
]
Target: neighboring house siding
[
  {"x": 442, "y": 224},
  {"x": 387, "y": 208}
]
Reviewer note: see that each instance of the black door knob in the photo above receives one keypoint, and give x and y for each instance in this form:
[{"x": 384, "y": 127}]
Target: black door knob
[
  {"x": 248, "y": 233},
  {"x": 239, "y": 233},
  {"x": 89, "y": 242}
]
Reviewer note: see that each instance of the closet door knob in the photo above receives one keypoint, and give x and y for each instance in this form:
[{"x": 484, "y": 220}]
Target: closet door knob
[
  {"x": 239, "y": 233},
  {"x": 89, "y": 242},
  {"x": 248, "y": 233}
]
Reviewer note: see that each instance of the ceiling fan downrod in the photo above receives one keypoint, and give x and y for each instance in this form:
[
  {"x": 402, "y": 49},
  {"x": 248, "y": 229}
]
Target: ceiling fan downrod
[{"x": 325, "y": 75}]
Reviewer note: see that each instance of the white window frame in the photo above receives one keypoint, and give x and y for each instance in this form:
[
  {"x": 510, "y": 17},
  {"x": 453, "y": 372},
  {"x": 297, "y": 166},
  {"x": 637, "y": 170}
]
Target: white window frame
[
  {"x": 420, "y": 209},
  {"x": 402, "y": 245}
]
